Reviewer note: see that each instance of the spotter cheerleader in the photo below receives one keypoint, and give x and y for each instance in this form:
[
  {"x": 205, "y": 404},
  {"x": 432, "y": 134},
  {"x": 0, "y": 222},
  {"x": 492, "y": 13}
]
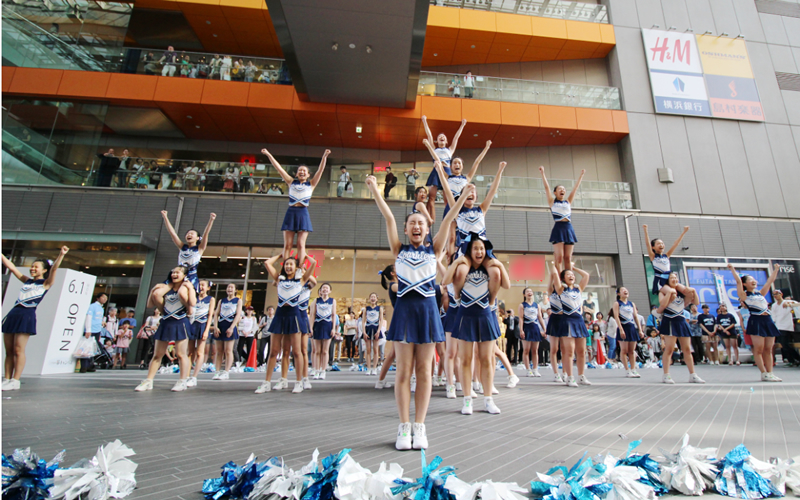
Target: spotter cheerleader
[
  {"x": 228, "y": 315},
  {"x": 452, "y": 368},
  {"x": 660, "y": 260},
  {"x": 305, "y": 329},
  {"x": 573, "y": 331},
  {"x": 760, "y": 327},
  {"x": 389, "y": 283},
  {"x": 441, "y": 153},
  {"x": 297, "y": 221},
  {"x": 532, "y": 332},
  {"x": 191, "y": 250},
  {"x": 553, "y": 330},
  {"x": 626, "y": 316},
  {"x": 415, "y": 326},
  {"x": 323, "y": 311},
  {"x": 201, "y": 327},
  {"x": 675, "y": 328},
  {"x": 371, "y": 319},
  {"x": 562, "y": 236},
  {"x": 20, "y": 322},
  {"x": 174, "y": 301}
]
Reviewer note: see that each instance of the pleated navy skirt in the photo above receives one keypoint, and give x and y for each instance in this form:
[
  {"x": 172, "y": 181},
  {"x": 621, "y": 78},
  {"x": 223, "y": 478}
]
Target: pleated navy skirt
[
  {"x": 297, "y": 219},
  {"x": 223, "y": 331},
  {"x": 196, "y": 331},
  {"x": 676, "y": 327},
  {"x": 286, "y": 321},
  {"x": 322, "y": 330},
  {"x": 532, "y": 332},
  {"x": 20, "y": 320},
  {"x": 476, "y": 324},
  {"x": 572, "y": 325},
  {"x": 563, "y": 233},
  {"x": 631, "y": 333},
  {"x": 762, "y": 326},
  {"x": 173, "y": 330},
  {"x": 416, "y": 320},
  {"x": 554, "y": 326}
]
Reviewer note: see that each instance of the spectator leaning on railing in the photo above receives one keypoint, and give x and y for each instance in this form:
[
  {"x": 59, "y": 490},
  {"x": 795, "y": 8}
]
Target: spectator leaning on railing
[{"x": 170, "y": 60}]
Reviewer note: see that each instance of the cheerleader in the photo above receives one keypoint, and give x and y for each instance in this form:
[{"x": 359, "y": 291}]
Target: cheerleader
[
  {"x": 441, "y": 153},
  {"x": 297, "y": 220},
  {"x": 227, "y": 317},
  {"x": 562, "y": 236},
  {"x": 572, "y": 329},
  {"x": 553, "y": 331},
  {"x": 456, "y": 180},
  {"x": 323, "y": 311},
  {"x": 674, "y": 327},
  {"x": 660, "y": 260},
  {"x": 532, "y": 332},
  {"x": 286, "y": 327},
  {"x": 20, "y": 322},
  {"x": 626, "y": 316},
  {"x": 199, "y": 332},
  {"x": 452, "y": 368},
  {"x": 389, "y": 283},
  {"x": 442, "y": 298},
  {"x": 174, "y": 301},
  {"x": 415, "y": 326},
  {"x": 371, "y": 317},
  {"x": 760, "y": 326},
  {"x": 191, "y": 250},
  {"x": 305, "y": 329},
  {"x": 420, "y": 204}
]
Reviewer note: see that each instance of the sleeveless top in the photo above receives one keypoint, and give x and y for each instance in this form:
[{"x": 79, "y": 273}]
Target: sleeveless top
[
  {"x": 189, "y": 257},
  {"x": 227, "y": 309},
  {"x": 305, "y": 296},
  {"x": 324, "y": 310},
  {"x": 626, "y": 312},
  {"x": 373, "y": 316},
  {"x": 675, "y": 308},
  {"x": 173, "y": 307},
  {"x": 31, "y": 294},
  {"x": 531, "y": 314},
  {"x": 756, "y": 304},
  {"x": 451, "y": 295},
  {"x": 201, "y": 310},
  {"x": 470, "y": 220},
  {"x": 571, "y": 301},
  {"x": 300, "y": 192},
  {"x": 555, "y": 303},
  {"x": 416, "y": 270},
  {"x": 561, "y": 210},
  {"x": 475, "y": 292},
  {"x": 392, "y": 295},
  {"x": 445, "y": 156},
  {"x": 457, "y": 184},
  {"x": 289, "y": 291},
  {"x": 661, "y": 265}
]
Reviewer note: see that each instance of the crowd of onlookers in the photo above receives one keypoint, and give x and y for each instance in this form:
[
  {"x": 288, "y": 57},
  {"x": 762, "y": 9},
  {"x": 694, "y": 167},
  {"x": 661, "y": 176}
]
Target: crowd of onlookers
[{"x": 228, "y": 68}]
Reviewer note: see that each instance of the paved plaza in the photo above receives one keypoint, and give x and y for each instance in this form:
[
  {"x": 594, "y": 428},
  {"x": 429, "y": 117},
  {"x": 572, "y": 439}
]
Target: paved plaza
[{"x": 182, "y": 438}]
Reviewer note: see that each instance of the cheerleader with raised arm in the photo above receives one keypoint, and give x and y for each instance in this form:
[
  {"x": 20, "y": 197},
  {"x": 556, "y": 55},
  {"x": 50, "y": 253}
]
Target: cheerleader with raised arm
[
  {"x": 389, "y": 283},
  {"x": 371, "y": 317},
  {"x": 227, "y": 318},
  {"x": 305, "y": 327},
  {"x": 760, "y": 326},
  {"x": 191, "y": 249},
  {"x": 628, "y": 333},
  {"x": 323, "y": 310},
  {"x": 457, "y": 181},
  {"x": 660, "y": 260},
  {"x": 674, "y": 327},
  {"x": 297, "y": 221},
  {"x": 553, "y": 330},
  {"x": 573, "y": 331},
  {"x": 441, "y": 153},
  {"x": 201, "y": 327},
  {"x": 532, "y": 332},
  {"x": 19, "y": 325},
  {"x": 416, "y": 326},
  {"x": 420, "y": 205},
  {"x": 563, "y": 235}
]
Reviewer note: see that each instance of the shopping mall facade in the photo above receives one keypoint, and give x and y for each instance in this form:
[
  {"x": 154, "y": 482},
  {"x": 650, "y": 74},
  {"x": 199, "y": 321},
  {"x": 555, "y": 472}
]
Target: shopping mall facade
[{"x": 681, "y": 113}]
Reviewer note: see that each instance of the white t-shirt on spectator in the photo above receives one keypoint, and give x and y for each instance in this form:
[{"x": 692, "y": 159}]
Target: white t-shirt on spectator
[
  {"x": 247, "y": 326},
  {"x": 782, "y": 316},
  {"x": 611, "y": 328}
]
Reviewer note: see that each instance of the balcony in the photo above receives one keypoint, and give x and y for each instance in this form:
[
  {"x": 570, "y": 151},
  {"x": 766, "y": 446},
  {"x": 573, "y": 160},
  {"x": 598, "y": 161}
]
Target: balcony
[{"x": 555, "y": 9}]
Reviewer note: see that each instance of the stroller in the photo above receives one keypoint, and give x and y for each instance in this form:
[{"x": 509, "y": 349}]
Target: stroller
[{"x": 103, "y": 360}]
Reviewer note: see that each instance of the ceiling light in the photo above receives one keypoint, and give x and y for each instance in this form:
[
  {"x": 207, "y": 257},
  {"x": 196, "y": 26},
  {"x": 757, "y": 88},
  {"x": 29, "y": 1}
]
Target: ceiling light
[
  {"x": 708, "y": 32},
  {"x": 208, "y": 22},
  {"x": 474, "y": 135},
  {"x": 215, "y": 35},
  {"x": 342, "y": 255},
  {"x": 320, "y": 133},
  {"x": 335, "y": 46},
  {"x": 189, "y": 116},
  {"x": 435, "y": 55},
  {"x": 672, "y": 28},
  {"x": 359, "y": 137},
  {"x": 352, "y": 45},
  {"x": 655, "y": 26},
  {"x": 369, "y": 49},
  {"x": 197, "y": 126},
  {"x": 472, "y": 46},
  {"x": 280, "y": 131},
  {"x": 740, "y": 36},
  {"x": 722, "y": 34},
  {"x": 689, "y": 30},
  {"x": 358, "y": 129}
]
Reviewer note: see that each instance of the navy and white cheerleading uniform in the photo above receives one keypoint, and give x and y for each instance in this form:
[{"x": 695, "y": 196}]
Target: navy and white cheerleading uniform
[
  {"x": 530, "y": 323},
  {"x": 189, "y": 257},
  {"x": 556, "y": 312},
  {"x": 661, "y": 271},
  {"x": 373, "y": 322},
  {"x": 452, "y": 309},
  {"x": 673, "y": 322},
  {"x": 628, "y": 323},
  {"x": 305, "y": 297},
  {"x": 22, "y": 317},
  {"x": 760, "y": 323},
  {"x": 416, "y": 314},
  {"x": 287, "y": 317},
  {"x": 227, "y": 313},
  {"x": 393, "y": 293},
  {"x": 571, "y": 323},
  {"x": 323, "y": 319},
  {"x": 476, "y": 320},
  {"x": 457, "y": 184},
  {"x": 469, "y": 220},
  {"x": 297, "y": 218},
  {"x": 562, "y": 230},
  {"x": 174, "y": 325},
  {"x": 200, "y": 318},
  {"x": 445, "y": 156}
]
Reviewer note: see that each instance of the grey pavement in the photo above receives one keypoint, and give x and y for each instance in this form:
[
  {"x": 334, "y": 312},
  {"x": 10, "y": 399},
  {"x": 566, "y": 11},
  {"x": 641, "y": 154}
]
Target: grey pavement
[{"x": 182, "y": 438}]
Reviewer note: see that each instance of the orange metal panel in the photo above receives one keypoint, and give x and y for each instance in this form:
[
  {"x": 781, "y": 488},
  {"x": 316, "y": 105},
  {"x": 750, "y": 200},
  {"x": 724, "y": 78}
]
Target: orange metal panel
[
  {"x": 564, "y": 54},
  {"x": 620, "y": 119},
  {"x": 557, "y": 117},
  {"x": 436, "y": 57},
  {"x": 200, "y": 7},
  {"x": 132, "y": 87},
  {"x": 35, "y": 81},
  {"x": 157, "y": 4},
  {"x": 502, "y": 53},
  {"x": 241, "y": 9},
  {"x": 207, "y": 26},
  {"x": 443, "y": 22},
  {"x": 82, "y": 84},
  {"x": 443, "y": 108},
  {"x": 534, "y": 53},
  {"x": 358, "y": 114},
  {"x": 607, "y": 36},
  {"x": 513, "y": 29},
  {"x": 473, "y": 46},
  {"x": 171, "y": 89},
  {"x": 481, "y": 23},
  {"x": 473, "y": 57},
  {"x": 602, "y": 51},
  {"x": 267, "y": 96},
  {"x": 514, "y": 140},
  {"x": 439, "y": 43},
  {"x": 519, "y": 114},
  {"x": 238, "y": 126},
  {"x": 8, "y": 75},
  {"x": 548, "y": 32},
  {"x": 583, "y": 31},
  {"x": 228, "y": 94},
  {"x": 594, "y": 119},
  {"x": 474, "y": 110}
]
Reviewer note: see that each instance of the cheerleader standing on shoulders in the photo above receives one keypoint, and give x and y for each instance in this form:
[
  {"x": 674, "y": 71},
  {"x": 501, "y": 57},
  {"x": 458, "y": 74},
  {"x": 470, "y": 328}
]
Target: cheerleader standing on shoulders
[
  {"x": 572, "y": 329},
  {"x": 228, "y": 315},
  {"x": 286, "y": 327},
  {"x": 389, "y": 283},
  {"x": 562, "y": 236},
  {"x": 199, "y": 332},
  {"x": 476, "y": 286},
  {"x": 305, "y": 328},
  {"x": 20, "y": 322},
  {"x": 553, "y": 331},
  {"x": 660, "y": 260},
  {"x": 420, "y": 204},
  {"x": 371, "y": 317},
  {"x": 456, "y": 180},
  {"x": 191, "y": 251},
  {"x": 626, "y": 316},
  {"x": 441, "y": 153},
  {"x": 532, "y": 332},
  {"x": 674, "y": 327},
  {"x": 297, "y": 221},
  {"x": 174, "y": 302},
  {"x": 415, "y": 326},
  {"x": 760, "y": 327},
  {"x": 322, "y": 310}
]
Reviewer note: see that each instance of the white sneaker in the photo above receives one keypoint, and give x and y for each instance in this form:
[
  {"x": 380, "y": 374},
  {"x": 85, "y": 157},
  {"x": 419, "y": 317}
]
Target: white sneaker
[
  {"x": 306, "y": 383},
  {"x": 216, "y": 376},
  {"x": 466, "y": 409},
  {"x": 322, "y": 376},
  {"x": 282, "y": 384},
  {"x": 191, "y": 382},
  {"x": 717, "y": 363},
  {"x": 583, "y": 380},
  {"x": 224, "y": 375},
  {"x": 298, "y": 388},
  {"x": 764, "y": 376},
  {"x": 472, "y": 394},
  {"x": 774, "y": 378},
  {"x": 536, "y": 373},
  {"x": 571, "y": 382},
  {"x": 530, "y": 373},
  {"x": 180, "y": 385},
  {"x": 368, "y": 372},
  {"x": 435, "y": 381},
  {"x": 476, "y": 386},
  {"x": 442, "y": 381},
  {"x": 667, "y": 379},
  {"x": 146, "y": 385},
  {"x": 13, "y": 385},
  {"x": 264, "y": 387},
  {"x": 636, "y": 374},
  {"x": 695, "y": 379},
  {"x": 403, "y": 437},
  {"x": 381, "y": 384},
  {"x": 413, "y": 385},
  {"x": 420, "y": 437},
  {"x": 495, "y": 391},
  {"x": 315, "y": 376},
  {"x": 513, "y": 380},
  {"x": 630, "y": 375},
  {"x": 451, "y": 392},
  {"x": 458, "y": 386},
  {"x": 490, "y": 407},
  {"x": 557, "y": 379}
]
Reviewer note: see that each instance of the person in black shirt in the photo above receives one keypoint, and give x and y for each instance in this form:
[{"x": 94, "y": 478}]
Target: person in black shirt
[
  {"x": 512, "y": 337},
  {"x": 708, "y": 326},
  {"x": 390, "y": 181},
  {"x": 727, "y": 331},
  {"x": 109, "y": 164}
]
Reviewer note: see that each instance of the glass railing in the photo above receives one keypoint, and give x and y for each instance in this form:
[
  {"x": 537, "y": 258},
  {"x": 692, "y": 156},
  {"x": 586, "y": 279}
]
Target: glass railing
[
  {"x": 558, "y": 9},
  {"x": 513, "y": 90}
]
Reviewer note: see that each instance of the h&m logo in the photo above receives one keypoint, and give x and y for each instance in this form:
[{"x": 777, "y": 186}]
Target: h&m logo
[{"x": 678, "y": 52}]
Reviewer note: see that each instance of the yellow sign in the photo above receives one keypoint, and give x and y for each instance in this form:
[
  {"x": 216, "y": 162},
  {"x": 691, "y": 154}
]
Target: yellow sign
[{"x": 724, "y": 56}]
